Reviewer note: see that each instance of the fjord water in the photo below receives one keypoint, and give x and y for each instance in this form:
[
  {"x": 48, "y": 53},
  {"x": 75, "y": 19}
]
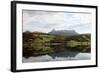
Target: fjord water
[{"x": 61, "y": 56}]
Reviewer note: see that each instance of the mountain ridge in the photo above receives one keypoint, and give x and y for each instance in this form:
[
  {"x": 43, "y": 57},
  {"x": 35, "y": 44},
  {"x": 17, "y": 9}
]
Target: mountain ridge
[{"x": 63, "y": 32}]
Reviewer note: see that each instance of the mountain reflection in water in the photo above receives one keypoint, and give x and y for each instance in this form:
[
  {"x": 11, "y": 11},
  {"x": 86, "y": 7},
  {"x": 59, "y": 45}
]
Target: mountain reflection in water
[{"x": 61, "y": 56}]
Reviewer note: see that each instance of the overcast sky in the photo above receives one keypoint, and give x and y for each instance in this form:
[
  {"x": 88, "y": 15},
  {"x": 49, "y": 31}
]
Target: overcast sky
[{"x": 45, "y": 21}]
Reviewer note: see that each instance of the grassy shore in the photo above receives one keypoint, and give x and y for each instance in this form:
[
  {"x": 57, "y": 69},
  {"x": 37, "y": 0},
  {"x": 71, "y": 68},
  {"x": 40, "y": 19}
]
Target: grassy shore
[{"x": 35, "y": 44}]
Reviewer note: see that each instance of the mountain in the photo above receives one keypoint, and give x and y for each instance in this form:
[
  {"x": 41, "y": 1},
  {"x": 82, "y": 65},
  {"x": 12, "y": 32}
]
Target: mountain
[{"x": 63, "y": 32}]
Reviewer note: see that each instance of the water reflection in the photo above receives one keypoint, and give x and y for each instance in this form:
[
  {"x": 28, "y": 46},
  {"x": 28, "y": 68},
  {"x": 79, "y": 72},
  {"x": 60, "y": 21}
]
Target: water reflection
[
  {"x": 64, "y": 54},
  {"x": 59, "y": 55}
]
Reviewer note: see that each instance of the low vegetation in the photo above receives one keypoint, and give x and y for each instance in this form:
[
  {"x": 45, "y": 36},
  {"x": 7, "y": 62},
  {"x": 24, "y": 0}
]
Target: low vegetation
[{"x": 35, "y": 44}]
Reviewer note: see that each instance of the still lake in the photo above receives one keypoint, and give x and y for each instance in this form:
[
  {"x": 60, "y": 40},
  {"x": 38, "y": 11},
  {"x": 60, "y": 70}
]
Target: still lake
[{"x": 61, "y": 56}]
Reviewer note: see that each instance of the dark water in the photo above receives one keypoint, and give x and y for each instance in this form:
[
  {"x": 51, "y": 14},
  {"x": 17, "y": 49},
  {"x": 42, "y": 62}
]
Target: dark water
[
  {"x": 62, "y": 56},
  {"x": 63, "y": 53}
]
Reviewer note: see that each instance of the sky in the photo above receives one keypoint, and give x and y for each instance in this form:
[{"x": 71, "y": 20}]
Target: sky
[{"x": 46, "y": 21}]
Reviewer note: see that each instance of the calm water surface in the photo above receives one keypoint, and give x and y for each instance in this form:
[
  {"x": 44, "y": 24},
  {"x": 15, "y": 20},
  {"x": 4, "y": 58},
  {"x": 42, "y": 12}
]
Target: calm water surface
[{"x": 62, "y": 56}]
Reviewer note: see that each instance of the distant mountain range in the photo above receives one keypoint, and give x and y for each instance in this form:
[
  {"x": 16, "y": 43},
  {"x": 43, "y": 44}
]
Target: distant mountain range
[
  {"x": 63, "y": 32},
  {"x": 57, "y": 32}
]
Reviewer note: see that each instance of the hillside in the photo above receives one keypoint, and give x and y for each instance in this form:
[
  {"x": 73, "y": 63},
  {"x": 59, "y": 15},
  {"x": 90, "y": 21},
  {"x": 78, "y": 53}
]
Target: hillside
[{"x": 37, "y": 43}]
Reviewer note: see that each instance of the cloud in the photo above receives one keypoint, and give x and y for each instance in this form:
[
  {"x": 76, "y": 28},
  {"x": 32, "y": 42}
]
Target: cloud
[{"x": 45, "y": 21}]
